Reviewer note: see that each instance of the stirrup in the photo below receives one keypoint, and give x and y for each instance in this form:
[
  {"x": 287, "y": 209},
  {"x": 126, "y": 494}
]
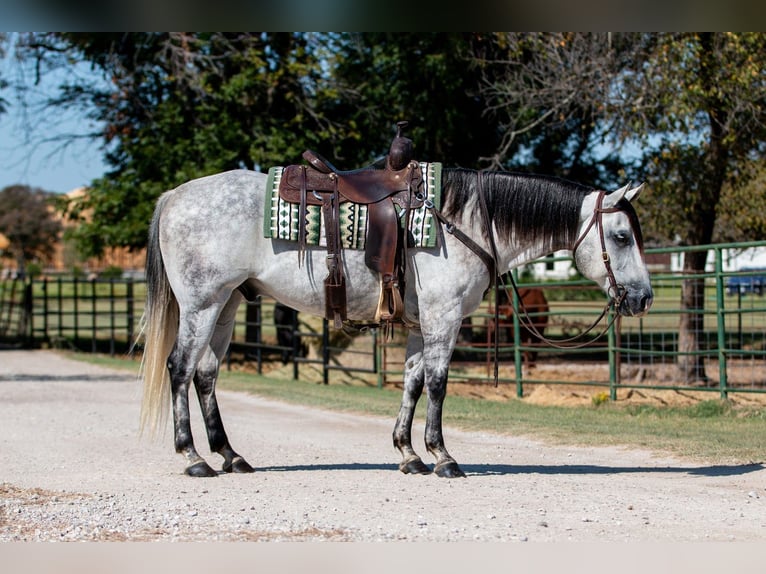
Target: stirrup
[{"x": 390, "y": 304}]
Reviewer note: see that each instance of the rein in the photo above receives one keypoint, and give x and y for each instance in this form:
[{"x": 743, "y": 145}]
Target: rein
[{"x": 616, "y": 292}]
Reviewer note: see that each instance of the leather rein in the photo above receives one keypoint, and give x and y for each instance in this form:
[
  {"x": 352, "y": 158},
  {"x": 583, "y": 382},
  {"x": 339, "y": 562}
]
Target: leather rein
[{"x": 616, "y": 291}]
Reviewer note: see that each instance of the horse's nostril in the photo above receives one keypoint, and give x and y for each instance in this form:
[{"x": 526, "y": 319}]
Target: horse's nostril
[{"x": 646, "y": 302}]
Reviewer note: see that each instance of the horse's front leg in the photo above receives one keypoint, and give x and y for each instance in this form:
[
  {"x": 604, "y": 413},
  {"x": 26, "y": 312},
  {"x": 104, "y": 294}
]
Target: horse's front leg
[
  {"x": 413, "y": 388},
  {"x": 437, "y": 352}
]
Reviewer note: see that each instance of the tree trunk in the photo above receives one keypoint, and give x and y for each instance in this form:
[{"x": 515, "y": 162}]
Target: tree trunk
[
  {"x": 21, "y": 265},
  {"x": 702, "y": 216},
  {"x": 691, "y": 366}
]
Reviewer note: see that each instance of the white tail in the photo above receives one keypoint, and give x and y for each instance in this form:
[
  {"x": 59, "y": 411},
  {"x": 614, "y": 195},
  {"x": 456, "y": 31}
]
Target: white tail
[{"x": 159, "y": 325}]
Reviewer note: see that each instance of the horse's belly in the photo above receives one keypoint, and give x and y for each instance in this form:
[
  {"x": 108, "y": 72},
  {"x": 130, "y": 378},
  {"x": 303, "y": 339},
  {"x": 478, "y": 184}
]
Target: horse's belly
[{"x": 300, "y": 285}]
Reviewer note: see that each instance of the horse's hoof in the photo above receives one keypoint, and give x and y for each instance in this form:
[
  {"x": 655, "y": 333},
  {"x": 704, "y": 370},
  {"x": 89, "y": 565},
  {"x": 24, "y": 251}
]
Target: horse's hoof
[
  {"x": 200, "y": 469},
  {"x": 414, "y": 466},
  {"x": 238, "y": 465},
  {"x": 449, "y": 469}
]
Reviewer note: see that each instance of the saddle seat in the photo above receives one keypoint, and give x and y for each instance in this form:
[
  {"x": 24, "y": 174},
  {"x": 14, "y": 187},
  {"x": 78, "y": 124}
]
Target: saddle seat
[
  {"x": 364, "y": 186},
  {"x": 400, "y": 183},
  {"x": 320, "y": 163}
]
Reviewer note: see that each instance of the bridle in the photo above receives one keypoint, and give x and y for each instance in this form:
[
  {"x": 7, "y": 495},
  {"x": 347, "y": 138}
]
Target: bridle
[{"x": 616, "y": 291}]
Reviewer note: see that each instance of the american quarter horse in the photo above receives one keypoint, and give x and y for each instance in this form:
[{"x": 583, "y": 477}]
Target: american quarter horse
[{"x": 206, "y": 252}]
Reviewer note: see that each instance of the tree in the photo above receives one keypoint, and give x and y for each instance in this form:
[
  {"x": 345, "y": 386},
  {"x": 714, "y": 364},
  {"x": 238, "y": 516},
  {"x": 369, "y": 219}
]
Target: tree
[
  {"x": 702, "y": 98},
  {"x": 742, "y": 213},
  {"x": 548, "y": 92},
  {"x": 26, "y": 219},
  {"x": 178, "y": 106},
  {"x": 3, "y": 83},
  {"x": 694, "y": 103},
  {"x": 426, "y": 79}
]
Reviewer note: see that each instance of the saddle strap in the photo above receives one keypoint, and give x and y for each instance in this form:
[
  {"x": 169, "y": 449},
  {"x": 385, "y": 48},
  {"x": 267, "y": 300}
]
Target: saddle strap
[
  {"x": 335, "y": 282},
  {"x": 302, "y": 217},
  {"x": 478, "y": 250}
]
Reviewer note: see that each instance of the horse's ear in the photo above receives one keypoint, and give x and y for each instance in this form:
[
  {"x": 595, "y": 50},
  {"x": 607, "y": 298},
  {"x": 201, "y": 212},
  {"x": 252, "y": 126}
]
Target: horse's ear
[
  {"x": 627, "y": 192},
  {"x": 632, "y": 194}
]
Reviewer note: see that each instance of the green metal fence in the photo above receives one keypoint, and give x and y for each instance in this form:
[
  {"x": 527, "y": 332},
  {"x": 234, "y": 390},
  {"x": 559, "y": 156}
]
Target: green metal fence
[
  {"x": 635, "y": 353},
  {"x": 731, "y": 338}
]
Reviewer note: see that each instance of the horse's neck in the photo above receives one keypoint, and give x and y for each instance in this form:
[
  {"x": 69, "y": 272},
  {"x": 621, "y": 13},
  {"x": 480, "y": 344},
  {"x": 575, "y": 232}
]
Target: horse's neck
[
  {"x": 519, "y": 255},
  {"x": 511, "y": 253},
  {"x": 516, "y": 253}
]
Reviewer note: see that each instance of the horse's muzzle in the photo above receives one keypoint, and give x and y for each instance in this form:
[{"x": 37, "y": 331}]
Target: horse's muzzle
[{"x": 636, "y": 302}]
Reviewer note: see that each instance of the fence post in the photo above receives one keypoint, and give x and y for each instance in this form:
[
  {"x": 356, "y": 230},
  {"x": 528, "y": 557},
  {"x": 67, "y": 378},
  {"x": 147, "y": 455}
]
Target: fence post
[
  {"x": 517, "y": 354},
  {"x": 93, "y": 314},
  {"x": 614, "y": 353},
  {"x": 46, "y": 338},
  {"x": 325, "y": 351},
  {"x": 26, "y": 323},
  {"x": 111, "y": 317},
  {"x": 130, "y": 311},
  {"x": 76, "y": 299},
  {"x": 294, "y": 325},
  {"x": 60, "y": 307},
  {"x": 380, "y": 359},
  {"x": 720, "y": 323}
]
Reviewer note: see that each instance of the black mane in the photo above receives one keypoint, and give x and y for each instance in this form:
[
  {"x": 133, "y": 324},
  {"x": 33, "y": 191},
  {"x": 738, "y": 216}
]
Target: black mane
[{"x": 533, "y": 208}]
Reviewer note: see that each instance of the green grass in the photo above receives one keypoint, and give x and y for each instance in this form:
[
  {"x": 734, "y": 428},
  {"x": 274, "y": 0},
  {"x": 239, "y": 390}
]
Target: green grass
[{"x": 711, "y": 431}]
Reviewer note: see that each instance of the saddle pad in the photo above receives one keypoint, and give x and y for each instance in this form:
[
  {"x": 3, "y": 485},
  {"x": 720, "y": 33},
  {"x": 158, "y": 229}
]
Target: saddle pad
[{"x": 281, "y": 217}]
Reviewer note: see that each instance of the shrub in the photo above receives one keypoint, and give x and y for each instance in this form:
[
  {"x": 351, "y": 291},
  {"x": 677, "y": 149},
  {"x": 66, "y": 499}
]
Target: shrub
[{"x": 111, "y": 272}]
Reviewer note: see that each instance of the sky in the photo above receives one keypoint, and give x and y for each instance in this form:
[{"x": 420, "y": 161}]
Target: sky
[
  {"x": 46, "y": 165},
  {"x": 31, "y": 148}
]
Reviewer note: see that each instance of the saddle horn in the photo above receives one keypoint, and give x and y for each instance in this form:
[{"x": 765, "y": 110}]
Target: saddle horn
[{"x": 402, "y": 149}]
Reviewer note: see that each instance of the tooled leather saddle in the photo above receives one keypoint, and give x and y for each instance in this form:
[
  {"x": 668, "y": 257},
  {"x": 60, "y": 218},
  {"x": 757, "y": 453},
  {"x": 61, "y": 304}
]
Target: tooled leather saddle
[{"x": 382, "y": 189}]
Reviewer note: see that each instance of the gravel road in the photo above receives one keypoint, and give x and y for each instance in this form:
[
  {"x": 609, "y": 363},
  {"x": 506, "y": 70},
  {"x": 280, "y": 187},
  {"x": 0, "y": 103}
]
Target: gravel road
[{"x": 74, "y": 468}]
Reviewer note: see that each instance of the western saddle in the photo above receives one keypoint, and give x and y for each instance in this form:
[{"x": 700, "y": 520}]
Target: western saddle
[{"x": 398, "y": 183}]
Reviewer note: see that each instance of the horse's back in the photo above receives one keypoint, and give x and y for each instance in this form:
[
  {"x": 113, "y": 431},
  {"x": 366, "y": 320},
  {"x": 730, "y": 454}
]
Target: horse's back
[
  {"x": 209, "y": 228},
  {"x": 228, "y": 193}
]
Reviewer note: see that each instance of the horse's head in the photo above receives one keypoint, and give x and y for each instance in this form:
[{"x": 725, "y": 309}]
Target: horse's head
[{"x": 609, "y": 249}]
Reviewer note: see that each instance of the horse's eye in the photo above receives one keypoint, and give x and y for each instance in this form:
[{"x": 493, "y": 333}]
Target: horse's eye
[{"x": 621, "y": 237}]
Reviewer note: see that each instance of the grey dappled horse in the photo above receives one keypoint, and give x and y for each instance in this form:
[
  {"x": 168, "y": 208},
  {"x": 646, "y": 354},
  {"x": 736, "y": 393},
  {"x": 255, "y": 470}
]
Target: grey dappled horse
[{"x": 207, "y": 252}]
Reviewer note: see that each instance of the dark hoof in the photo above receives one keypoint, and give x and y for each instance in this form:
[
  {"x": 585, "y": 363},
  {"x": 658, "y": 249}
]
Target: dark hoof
[
  {"x": 449, "y": 469},
  {"x": 414, "y": 466},
  {"x": 200, "y": 469},
  {"x": 238, "y": 465}
]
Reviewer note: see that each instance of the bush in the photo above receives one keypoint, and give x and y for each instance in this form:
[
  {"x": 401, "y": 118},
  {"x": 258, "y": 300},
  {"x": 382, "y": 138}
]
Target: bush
[
  {"x": 111, "y": 272},
  {"x": 34, "y": 270}
]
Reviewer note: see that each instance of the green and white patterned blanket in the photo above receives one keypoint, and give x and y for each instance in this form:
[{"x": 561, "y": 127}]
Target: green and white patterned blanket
[{"x": 281, "y": 217}]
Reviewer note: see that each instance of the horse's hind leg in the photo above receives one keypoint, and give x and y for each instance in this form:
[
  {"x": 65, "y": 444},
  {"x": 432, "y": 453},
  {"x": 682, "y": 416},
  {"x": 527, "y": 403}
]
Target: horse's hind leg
[
  {"x": 413, "y": 388},
  {"x": 194, "y": 333},
  {"x": 204, "y": 382}
]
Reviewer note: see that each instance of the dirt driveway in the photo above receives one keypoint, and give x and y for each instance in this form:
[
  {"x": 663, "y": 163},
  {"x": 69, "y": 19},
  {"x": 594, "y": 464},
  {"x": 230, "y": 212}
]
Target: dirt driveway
[{"x": 72, "y": 467}]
